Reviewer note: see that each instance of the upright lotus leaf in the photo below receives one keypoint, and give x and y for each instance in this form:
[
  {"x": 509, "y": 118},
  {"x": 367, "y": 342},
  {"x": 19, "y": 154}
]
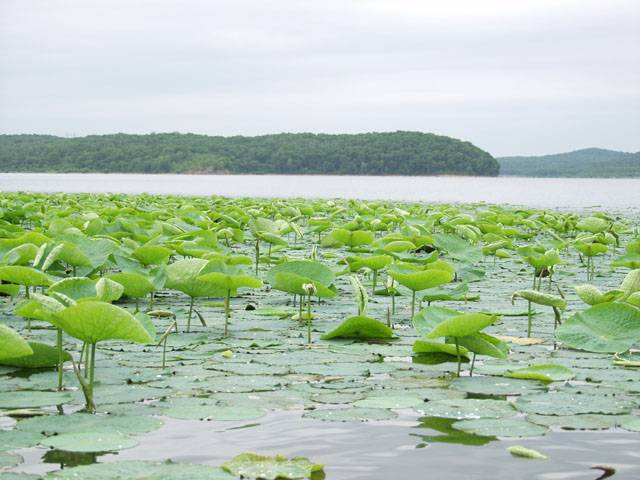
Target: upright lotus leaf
[
  {"x": 462, "y": 325},
  {"x": 183, "y": 275},
  {"x": 43, "y": 356},
  {"x": 592, "y": 225},
  {"x": 546, "y": 373},
  {"x": 484, "y": 344},
  {"x": 9, "y": 289},
  {"x": 468, "y": 326},
  {"x": 41, "y": 307},
  {"x": 312, "y": 270},
  {"x": 95, "y": 321},
  {"x": 630, "y": 284},
  {"x": 542, "y": 262},
  {"x": 251, "y": 465},
  {"x": 21, "y": 255},
  {"x": 75, "y": 287},
  {"x": 459, "y": 293},
  {"x": 417, "y": 279},
  {"x": 360, "y": 327},
  {"x": 26, "y": 276},
  {"x": 592, "y": 295},
  {"x": 152, "y": 254},
  {"x": 457, "y": 247},
  {"x": 426, "y": 319},
  {"x": 606, "y": 327},
  {"x": 73, "y": 255},
  {"x": 375, "y": 263},
  {"x": 108, "y": 290},
  {"x": 135, "y": 285},
  {"x": 590, "y": 250},
  {"x": 230, "y": 279},
  {"x": 634, "y": 299},
  {"x": 12, "y": 345},
  {"x": 534, "y": 296},
  {"x": 292, "y": 283}
]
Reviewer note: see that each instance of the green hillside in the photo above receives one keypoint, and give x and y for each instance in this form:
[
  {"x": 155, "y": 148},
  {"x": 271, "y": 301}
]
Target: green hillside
[
  {"x": 397, "y": 153},
  {"x": 590, "y": 162}
]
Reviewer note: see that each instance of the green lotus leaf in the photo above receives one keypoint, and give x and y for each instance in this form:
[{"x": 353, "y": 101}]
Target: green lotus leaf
[
  {"x": 520, "y": 451},
  {"x": 457, "y": 247},
  {"x": 463, "y": 408},
  {"x": 315, "y": 271},
  {"x": 588, "y": 421},
  {"x": 503, "y": 427},
  {"x": 141, "y": 470},
  {"x": 607, "y": 327},
  {"x": 540, "y": 298},
  {"x": 484, "y": 344},
  {"x": 564, "y": 403},
  {"x": 271, "y": 238},
  {"x": 390, "y": 401},
  {"x": 21, "y": 255},
  {"x": 75, "y": 287},
  {"x": 592, "y": 224},
  {"x": 138, "y": 470},
  {"x": 152, "y": 254},
  {"x": 108, "y": 290},
  {"x": 360, "y": 327},
  {"x": 12, "y": 345},
  {"x": 544, "y": 372},
  {"x": 33, "y": 399},
  {"x": 135, "y": 285},
  {"x": 591, "y": 249},
  {"x": 89, "y": 442},
  {"x": 374, "y": 262},
  {"x": 490, "y": 385},
  {"x": 418, "y": 280},
  {"x": 43, "y": 356},
  {"x": 462, "y": 325},
  {"x": 398, "y": 246},
  {"x": 26, "y": 276},
  {"x": 631, "y": 260},
  {"x": 459, "y": 293},
  {"x": 9, "y": 460},
  {"x": 183, "y": 276},
  {"x": 41, "y": 307},
  {"x": 631, "y": 283},
  {"x": 85, "y": 422},
  {"x": 10, "y": 289},
  {"x": 634, "y": 299},
  {"x": 97, "y": 321},
  {"x": 293, "y": 283},
  {"x": 231, "y": 282},
  {"x": 428, "y": 346},
  {"x": 351, "y": 414},
  {"x": 592, "y": 296},
  {"x": 251, "y": 465},
  {"x": 427, "y": 319}
]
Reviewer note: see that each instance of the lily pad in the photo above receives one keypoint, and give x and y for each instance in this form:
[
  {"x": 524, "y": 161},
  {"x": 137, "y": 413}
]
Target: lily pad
[
  {"x": 503, "y": 427},
  {"x": 33, "y": 399},
  {"x": 560, "y": 403},
  {"x": 468, "y": 408},
  {"x": 360, "y": 327},
  {"x": 136, "y": 470},
  {"x": 389, "y": 401},
  {"x": 90, "y": 442},
  {"x": 496, "y": 385},
  {"x": 84, "y": 422},
  {"x": 252, "y": 465},
  {"x": 351, "y": 414}
]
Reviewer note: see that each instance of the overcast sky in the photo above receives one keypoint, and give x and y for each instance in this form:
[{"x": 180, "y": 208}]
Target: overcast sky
[{"x": 511, "y": 76}]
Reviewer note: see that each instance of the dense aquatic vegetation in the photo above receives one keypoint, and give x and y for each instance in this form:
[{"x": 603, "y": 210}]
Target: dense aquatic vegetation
[
  {"x": 398, "y": 153},
  {"x": 118, "y": 311},
  {"x": 588, "y": 162}
]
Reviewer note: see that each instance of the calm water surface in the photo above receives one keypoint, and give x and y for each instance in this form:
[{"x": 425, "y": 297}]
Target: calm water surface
[{"x": 611, "y": 193}]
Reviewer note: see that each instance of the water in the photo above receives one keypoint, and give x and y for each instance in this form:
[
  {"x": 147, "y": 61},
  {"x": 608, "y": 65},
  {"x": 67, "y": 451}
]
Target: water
[{"x": 607, "y": 193}]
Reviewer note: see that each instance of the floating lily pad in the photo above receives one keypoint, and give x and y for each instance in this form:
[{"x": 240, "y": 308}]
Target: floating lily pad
[
  {"x": 251, "y": 465},
  {"x": 201, "y": 409},
  {"x": 14, "y": 439},
  {"x": 389, "y": 401},
  {"x": 543, "y": 372},
  {"x": 33, "y": 399},
  {"x": 83, "y": 422},
  {"x": 351, "y": 414},
  {"x": 468, "y": 408},
  {"x": 576, "y": 422},
  {"x": 496, "y": 385},
  {"x": 560, "y": 403},
  {"x": 9, "y": 460},
  {"x": 135, "y": 470},
  {"x": 90, "y": 442},
  {"x": 503, "y": 427}
]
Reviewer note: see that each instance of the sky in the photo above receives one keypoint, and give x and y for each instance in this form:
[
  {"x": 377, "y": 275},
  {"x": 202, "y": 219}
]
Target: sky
[{"x": 512, "y": 77}]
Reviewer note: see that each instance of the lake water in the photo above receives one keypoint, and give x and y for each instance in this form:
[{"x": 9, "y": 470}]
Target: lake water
[{"x": 608, "y": 193}]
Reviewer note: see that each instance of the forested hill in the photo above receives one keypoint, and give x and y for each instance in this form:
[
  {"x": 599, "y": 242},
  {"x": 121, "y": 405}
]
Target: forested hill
[
  {"x": 397, "y": 153},
  {"x": 590, "y": 162}
]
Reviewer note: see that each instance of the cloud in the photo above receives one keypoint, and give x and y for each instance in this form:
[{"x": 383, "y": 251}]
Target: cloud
[{"x": 533, "y": 76}]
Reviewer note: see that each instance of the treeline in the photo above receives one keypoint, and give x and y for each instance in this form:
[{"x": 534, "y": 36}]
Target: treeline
[
  {"x": 589, "y": 162},
  {"x": 397, "y": 153}
]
